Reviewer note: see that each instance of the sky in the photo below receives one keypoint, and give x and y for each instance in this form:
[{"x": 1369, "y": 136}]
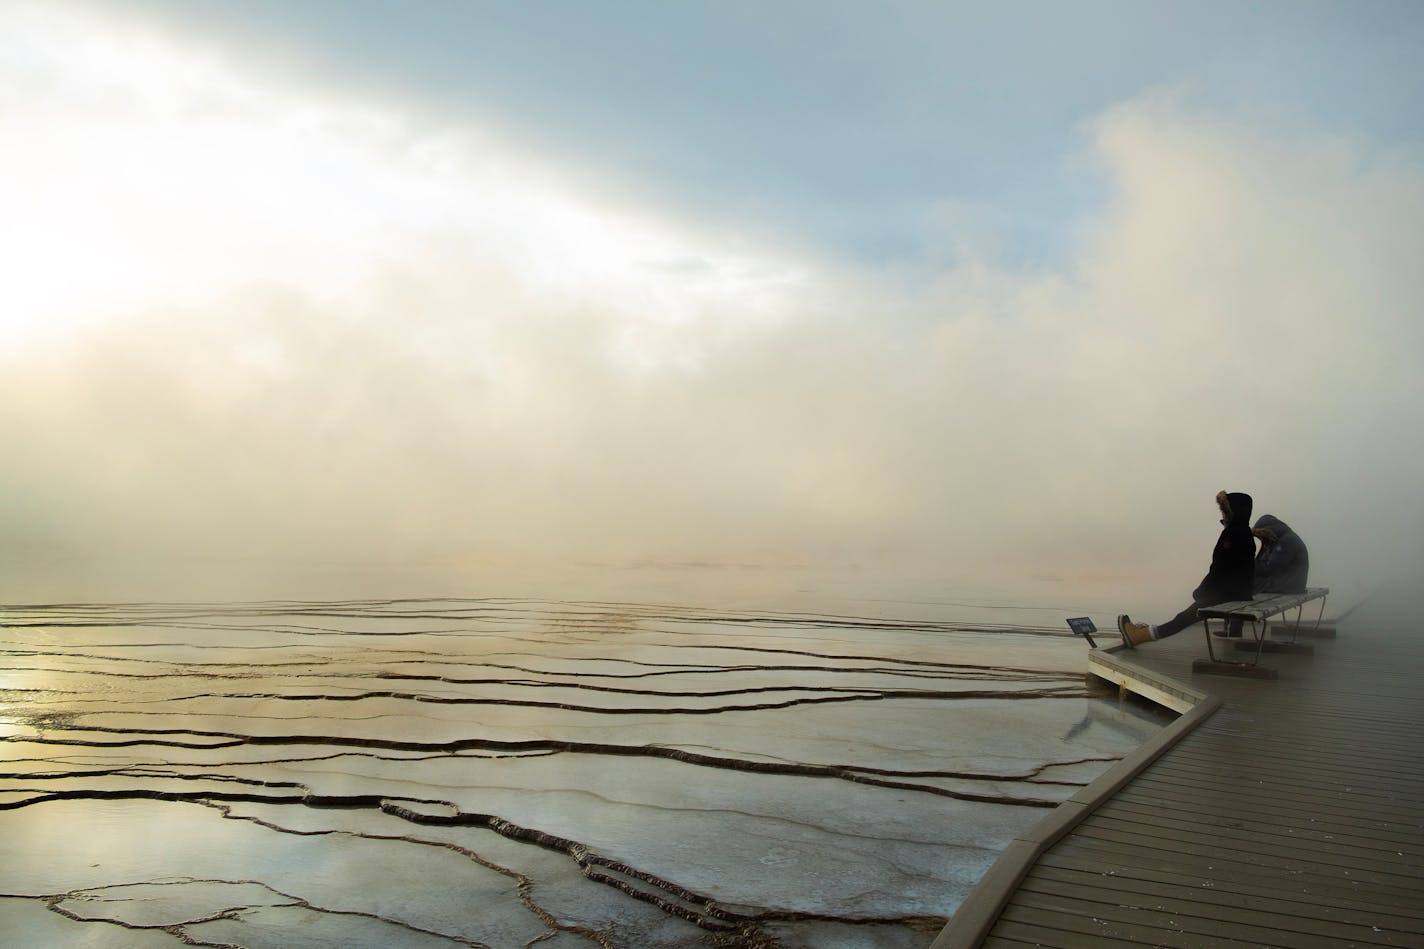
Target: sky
[{"x": 918, "y": 299}]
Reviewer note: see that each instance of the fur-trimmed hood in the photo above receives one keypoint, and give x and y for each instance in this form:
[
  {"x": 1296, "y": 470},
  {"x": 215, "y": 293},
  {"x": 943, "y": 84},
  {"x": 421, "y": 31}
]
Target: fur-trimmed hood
[
  {"x": 1235, "y": 507},
  {"x": 1270, "y": 528}
]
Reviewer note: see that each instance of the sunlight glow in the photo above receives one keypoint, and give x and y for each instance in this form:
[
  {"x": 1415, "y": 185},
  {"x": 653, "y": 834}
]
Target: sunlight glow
[{"x": 138, "y": 173}]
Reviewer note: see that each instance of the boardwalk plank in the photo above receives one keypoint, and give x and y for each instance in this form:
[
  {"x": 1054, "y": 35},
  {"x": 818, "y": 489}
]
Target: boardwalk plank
[
  {"x": 1320, "y": 882},
  {"x": 1365, "y": 767},
  {"x": 1186, "y": 783},
  {"x": 1372, "y": 823},
  {"x": 1397, "y": 792},
  {"x": 1151, "y": 927},
  {"x": 1295, "y": 809},
  {"x": 1014, "y": 932},
  {"x": 1293, "y": 816},
  {"x": 1169, "y": 849},
  {"x": 1244, "y": 916},
  {"x": 1328, "y": 906},
  {"x": 1242, "y": 831}
]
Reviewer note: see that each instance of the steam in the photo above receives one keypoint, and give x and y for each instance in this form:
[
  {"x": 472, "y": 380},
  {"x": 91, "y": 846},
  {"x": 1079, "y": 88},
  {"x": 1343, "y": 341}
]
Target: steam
[{"x": 273, "y": 327}]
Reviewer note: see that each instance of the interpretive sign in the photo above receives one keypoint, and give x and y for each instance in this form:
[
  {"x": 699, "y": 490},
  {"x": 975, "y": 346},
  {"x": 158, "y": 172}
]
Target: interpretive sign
[{"x": 1083, "y": 626}]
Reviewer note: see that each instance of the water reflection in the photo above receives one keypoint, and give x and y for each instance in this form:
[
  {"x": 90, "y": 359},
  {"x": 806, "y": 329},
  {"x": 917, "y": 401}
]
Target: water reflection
[{"x": 504, "y": 773}]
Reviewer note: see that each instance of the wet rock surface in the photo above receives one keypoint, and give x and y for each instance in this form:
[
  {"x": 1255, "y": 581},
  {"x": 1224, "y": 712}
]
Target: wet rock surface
[{"x": 520, "y": 773}]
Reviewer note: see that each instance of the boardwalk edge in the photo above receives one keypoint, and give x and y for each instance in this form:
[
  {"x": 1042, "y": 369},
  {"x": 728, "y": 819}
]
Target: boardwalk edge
[{"x": 974, "y": 918}]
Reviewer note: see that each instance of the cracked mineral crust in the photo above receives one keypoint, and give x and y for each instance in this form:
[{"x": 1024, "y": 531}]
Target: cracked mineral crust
[{"x": 517, "y": 773}]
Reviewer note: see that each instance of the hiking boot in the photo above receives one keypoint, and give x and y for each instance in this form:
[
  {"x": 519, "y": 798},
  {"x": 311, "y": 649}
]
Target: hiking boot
[{"x": 1133, "y": 634}]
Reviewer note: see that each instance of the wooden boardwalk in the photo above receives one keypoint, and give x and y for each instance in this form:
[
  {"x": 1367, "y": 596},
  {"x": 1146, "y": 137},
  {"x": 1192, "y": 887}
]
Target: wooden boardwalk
[{"x": 1273, "y": 813}]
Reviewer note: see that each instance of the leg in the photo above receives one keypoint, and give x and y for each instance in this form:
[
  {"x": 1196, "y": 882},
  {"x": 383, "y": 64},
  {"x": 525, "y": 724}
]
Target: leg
[{"x": 1178, "y": 623}]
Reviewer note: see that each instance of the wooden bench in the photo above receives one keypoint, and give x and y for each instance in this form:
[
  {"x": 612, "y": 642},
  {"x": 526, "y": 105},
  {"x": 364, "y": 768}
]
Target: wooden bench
[{"x": 1257, "y": 611}]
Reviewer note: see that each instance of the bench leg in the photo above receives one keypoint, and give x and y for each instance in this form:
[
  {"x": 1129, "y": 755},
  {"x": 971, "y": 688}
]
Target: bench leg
[
  {"x": 1259, "y": 631},
  {"x": 1294, "y": 645},
  {"x": 1293, "y": 626},
  {"x": 1315, "y": 630},
  {"x": 1217, "y": 666}
]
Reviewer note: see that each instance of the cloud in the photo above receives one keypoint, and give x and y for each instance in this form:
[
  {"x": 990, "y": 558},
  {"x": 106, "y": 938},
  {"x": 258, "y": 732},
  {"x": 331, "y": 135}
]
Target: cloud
[{"x": 272, "y": 326}]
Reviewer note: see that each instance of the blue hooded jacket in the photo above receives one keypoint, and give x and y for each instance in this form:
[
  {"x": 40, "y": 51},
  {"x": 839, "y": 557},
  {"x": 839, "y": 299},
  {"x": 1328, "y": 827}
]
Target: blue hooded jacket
[{"x": 1283, "y": 565}]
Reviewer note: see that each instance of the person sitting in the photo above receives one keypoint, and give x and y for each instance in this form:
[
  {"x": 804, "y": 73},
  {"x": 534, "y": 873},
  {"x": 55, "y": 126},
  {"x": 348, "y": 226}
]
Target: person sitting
[
  {"x": 1230, "y": 576},
  {"x": 1283, "y": 564}
]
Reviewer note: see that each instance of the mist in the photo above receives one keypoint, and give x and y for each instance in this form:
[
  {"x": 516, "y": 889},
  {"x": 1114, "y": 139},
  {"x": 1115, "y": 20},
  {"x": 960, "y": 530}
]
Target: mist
[{"x": 260, "y": 340}]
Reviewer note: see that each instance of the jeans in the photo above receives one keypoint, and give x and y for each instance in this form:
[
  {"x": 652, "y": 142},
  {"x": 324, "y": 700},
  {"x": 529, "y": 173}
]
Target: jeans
[{"x": 1188, "y": 617}]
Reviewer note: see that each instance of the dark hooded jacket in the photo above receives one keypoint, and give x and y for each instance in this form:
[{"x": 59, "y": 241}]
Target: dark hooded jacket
[
  {"x": 1233, "y": 560},
  {"x": 1283, "y": 565}
]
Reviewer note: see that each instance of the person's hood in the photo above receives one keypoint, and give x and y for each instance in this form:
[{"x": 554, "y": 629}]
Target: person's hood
[
  {"x": 1235, "y": 507},
  {"x": 1270, "y": 522},
  {"x": 1272, "y": 525}
]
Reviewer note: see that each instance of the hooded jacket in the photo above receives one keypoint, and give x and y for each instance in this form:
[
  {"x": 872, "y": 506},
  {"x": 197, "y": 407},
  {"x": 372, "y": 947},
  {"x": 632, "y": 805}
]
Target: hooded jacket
[
  {"x": 1283, "y": 565},
  {"x": 1233, "y": 559}
]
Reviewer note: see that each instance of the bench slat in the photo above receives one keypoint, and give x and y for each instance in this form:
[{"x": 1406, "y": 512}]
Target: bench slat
[{"x": 1263, "y": 605}]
